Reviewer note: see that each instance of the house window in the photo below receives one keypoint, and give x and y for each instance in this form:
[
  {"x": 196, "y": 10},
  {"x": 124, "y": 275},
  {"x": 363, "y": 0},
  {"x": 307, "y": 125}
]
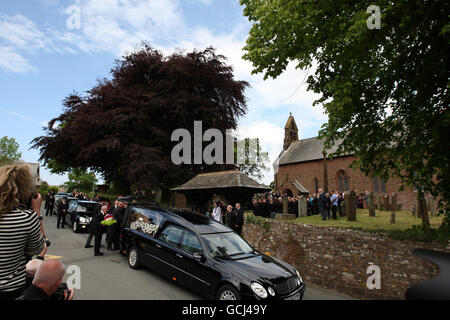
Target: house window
[
  {"x": 316, "y": 185},
  {"x": 343, "y": 181},
  {"x": 379, "y": 185}
]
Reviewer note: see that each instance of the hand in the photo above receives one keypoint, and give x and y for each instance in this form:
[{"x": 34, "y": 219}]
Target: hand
[
  {"x": 36, "y": 204},
  {"x": 68, "y": 294},
  {"x": 44, "y": 251}
]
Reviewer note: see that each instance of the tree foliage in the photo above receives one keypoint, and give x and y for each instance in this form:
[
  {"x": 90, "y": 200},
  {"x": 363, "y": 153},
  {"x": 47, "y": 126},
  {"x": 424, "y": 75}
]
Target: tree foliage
[
  {"x": 9, "y": 150},
  {"x": 80, "y": 180},
  {"x": 250, "y": 158},
  {"x": 385, "y": 91},
  {"x": 122, "y": 127}
]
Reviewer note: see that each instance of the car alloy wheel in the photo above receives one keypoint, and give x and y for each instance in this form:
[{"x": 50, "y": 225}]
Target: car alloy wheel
[
  {"x": 75, "y": 226},
  {"x": 228, "y": 292},
  {"x": 227, "y": 295},
  {"x": 133, "y": 258}
]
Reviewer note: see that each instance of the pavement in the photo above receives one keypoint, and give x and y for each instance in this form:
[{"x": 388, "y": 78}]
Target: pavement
[{"x": 109, "y": 277}]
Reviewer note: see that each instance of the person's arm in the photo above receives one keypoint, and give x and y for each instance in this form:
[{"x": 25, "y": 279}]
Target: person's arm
[{"x": 35, "y": 242}]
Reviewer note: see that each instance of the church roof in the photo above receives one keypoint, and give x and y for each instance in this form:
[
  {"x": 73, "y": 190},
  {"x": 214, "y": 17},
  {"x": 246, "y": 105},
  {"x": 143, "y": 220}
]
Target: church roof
[
  {"x": 221, "y": 179},
  {"x": 305, "y": 150}
]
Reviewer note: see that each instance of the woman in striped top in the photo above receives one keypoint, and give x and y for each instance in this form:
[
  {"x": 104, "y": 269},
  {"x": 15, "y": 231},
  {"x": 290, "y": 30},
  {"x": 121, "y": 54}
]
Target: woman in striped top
[{"x": 20, "y": 229}]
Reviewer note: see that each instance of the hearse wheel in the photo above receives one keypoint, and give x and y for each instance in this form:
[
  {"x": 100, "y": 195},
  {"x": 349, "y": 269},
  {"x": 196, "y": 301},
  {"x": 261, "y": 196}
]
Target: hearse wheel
[
  {"x": 133, "y": 258},
  {"x": 228, "y": 292}
]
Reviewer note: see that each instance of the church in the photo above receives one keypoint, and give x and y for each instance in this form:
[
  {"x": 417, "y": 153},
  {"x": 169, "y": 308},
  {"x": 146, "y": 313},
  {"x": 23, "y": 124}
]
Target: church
[{"x": 303, "y": 166}]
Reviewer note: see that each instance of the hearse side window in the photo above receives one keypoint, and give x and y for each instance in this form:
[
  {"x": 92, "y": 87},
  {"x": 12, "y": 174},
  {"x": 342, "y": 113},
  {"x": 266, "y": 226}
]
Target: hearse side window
[
  {"x": 171, "y": 234},
  {"x": 190, "y": 243},
  {"x": 145, "y": 221}
]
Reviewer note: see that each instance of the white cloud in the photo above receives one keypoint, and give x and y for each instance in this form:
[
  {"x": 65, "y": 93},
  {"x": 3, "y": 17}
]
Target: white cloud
[{"x": 11, "y": 61}]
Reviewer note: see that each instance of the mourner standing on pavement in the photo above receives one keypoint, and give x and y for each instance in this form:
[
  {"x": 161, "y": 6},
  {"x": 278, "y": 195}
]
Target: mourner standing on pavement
[
  {"x": 98, "y": 229},
  {"x": 20, "y": 229},
  {"x": 62, "y": 207},
  {"x": 231, "y": 217},
  {"x": 217, "y": 212},
  {"x": 49, "y": 203},
  {"x": 239, "y": 219}
]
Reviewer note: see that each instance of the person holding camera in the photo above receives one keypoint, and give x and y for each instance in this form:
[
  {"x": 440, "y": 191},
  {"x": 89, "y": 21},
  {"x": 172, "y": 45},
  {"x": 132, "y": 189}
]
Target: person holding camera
[
  {"x": 21, "y": 232},
  {"x": 47, "y": 283}
]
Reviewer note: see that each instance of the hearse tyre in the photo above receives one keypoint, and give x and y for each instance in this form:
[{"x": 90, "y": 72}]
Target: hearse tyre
[
  {"x": 228, "y": 292},
  {"x": 133, "y": 258}
]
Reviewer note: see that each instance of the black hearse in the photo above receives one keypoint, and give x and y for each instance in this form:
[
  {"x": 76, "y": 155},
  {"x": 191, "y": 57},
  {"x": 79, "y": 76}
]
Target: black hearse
[
  {"x": 205, "y": 256},
  {"x": 81, "y": 213}
]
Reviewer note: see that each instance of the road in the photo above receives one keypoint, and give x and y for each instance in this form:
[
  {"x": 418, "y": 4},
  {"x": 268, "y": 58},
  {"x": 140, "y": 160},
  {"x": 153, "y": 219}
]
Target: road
[{"x": 109, "y": 277}]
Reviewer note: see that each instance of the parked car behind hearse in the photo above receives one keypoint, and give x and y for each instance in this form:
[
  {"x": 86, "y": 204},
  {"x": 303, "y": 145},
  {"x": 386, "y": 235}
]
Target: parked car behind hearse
[{"x": 205, "y": 256}]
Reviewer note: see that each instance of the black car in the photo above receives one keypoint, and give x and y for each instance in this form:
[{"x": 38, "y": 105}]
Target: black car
[
  {"x": 81, "y": 213},
  {"x": 205, "y": 255}
]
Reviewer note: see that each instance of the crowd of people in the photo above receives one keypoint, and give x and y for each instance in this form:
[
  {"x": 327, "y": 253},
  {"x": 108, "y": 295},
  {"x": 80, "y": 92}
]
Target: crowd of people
[
  {"x": 327, "y": 204},
  {"x": 231, "y": 216}
]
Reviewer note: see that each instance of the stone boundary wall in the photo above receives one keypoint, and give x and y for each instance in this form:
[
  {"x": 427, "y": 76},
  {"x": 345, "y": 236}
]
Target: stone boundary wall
[{"x": 338, "y": 258}]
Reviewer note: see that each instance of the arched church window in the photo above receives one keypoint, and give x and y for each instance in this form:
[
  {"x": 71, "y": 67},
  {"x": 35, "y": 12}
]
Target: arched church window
[{"x": 343, "y": 181}]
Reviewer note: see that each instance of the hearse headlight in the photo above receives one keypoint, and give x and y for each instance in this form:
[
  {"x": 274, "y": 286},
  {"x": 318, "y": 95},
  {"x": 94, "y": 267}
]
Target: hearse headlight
[
  {"x": 83, "y": 220},
  {"x": 299, "y": 276},
  {"x": 259, "y": 290},
  {"x": 271, "y": 291}
]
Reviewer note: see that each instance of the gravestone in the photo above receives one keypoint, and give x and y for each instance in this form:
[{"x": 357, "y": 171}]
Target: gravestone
[
  {"x": 350, "y": 205},
  {"x": 394, "y": 205},
  {"x": 379, "y": 203},
  {"x": 371, "y": 204},
  {"x": 392, "y": 217},
  {"x": 302, "y": 207},
  {"x": 387, "y": 203}
]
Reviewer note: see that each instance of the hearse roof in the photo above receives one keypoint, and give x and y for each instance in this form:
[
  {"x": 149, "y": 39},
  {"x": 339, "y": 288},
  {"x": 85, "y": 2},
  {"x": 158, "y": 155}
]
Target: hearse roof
[{"x": 191, "y": 220}]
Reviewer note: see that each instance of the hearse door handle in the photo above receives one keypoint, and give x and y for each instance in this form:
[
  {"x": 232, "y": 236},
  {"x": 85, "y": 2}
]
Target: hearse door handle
[
  {"x": 158, "y": 246},
  {"x": 179, "y": 255}
]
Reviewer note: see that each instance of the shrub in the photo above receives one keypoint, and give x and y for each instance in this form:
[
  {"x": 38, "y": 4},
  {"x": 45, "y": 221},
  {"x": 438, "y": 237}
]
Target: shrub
[{"x": 258, "y": 221}]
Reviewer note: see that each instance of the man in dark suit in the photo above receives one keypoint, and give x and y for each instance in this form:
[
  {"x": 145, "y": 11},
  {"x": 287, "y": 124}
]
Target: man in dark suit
[
  {"x": 239, "y": 219},
  {"x": 98, "y": 229},
  {"x": 323, "y": 201},
  {"x": 63, "y": 206},
  {"x": 49, "y": 203}
]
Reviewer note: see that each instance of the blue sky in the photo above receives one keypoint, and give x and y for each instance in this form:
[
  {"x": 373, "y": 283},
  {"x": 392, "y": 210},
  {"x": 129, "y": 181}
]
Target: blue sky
[{"x": 43, "y": 59}]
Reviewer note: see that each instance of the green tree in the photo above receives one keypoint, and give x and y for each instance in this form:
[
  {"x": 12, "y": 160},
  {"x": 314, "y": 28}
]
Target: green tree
[
  {"x": 9, "y": 150},
  {"x": 250, "y": 158},
  {"x": 80, "y": 180},
  {"x": 385, "y": 91}
]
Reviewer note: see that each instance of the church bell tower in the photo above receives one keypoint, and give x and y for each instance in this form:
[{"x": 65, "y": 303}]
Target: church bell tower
[{"x": 290, "y": 132}]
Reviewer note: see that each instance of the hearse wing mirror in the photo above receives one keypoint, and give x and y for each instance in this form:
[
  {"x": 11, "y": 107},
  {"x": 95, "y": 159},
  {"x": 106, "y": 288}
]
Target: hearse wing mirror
[{"x": 199, "y": 256}]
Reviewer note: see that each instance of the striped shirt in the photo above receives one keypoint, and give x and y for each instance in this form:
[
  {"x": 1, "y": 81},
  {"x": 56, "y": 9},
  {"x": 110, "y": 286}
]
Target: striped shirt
[{"x": 20, "y": 236}]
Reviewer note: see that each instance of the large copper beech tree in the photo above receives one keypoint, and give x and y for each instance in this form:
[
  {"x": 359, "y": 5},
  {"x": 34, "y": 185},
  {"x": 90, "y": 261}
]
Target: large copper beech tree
[{"x": 122, "y": 127}]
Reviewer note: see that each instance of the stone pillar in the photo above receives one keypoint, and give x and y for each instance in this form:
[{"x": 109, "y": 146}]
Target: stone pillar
[
  {"x": 394, "y": 205},
  {"x": 387, "y": 203},
  {"x": 302, "y": 206},
  {"x": 350, "y": 205},
  {"x": 371, "y": 204}
]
